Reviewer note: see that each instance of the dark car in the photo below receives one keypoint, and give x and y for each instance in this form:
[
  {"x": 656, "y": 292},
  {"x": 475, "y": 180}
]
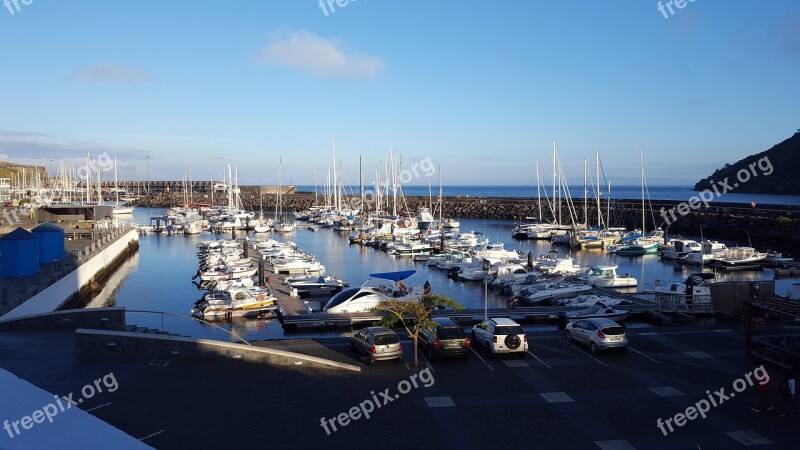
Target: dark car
[{"x": 445, "y": 338}]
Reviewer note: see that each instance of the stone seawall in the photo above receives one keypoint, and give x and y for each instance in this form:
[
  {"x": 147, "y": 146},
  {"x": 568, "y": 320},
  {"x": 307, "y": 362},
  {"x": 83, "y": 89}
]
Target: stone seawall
[{"x": 766, "y": 226}]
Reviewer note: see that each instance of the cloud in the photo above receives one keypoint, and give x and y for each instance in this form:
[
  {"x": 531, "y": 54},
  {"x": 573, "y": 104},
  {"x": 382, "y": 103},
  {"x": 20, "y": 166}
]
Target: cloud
[
  {"x": 307, "y": 52},
  {"x": 20, "y": 134},
  {"x": 28, "y": 150},
  {"x": 105, "y": 73}
]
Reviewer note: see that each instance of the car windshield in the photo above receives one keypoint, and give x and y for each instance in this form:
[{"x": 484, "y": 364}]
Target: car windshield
[
  {"x": 614, "y": 331},
  {"x": 508, "y": 329},
  {"x": 386, "y": 339},
  {"x": 451, "y": 333}
]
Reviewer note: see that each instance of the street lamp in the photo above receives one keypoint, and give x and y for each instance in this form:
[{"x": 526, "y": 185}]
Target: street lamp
[{"x": 147, "y": 189}]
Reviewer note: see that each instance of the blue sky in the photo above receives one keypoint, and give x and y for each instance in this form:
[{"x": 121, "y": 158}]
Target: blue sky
[{"x": 481, "y": 88}]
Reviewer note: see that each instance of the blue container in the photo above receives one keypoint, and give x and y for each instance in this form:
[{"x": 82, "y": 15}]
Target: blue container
[
  {"x": 19, "y": 254},
  {"x": 51, "y": 242}
]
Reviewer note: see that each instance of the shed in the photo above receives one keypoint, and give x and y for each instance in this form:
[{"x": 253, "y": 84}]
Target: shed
[
  {"x": 19, "y": 254},
  {"x": 51, "y": 242}
]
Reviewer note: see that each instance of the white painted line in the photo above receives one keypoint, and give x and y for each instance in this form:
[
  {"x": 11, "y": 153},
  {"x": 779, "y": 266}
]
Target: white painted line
[
  {"x": 98, "y": 407},
  {"x": 556, "y": 397},
  {"x": 590, "y": 356},
  {"x": 516, "y": 363},
  {"x": 748, "y": 437},
  {"x": 617, "y": 444},
  {"x": 440, "y": 402},
  {"x": 697, "y": 355},
  {"x": 152, "y": 435},
  {"x": 427, "y": 363},
  {"x": 484, "y": 361},
  {"x": 637, "y": 351},
  {"x": 666, "y": 391},
  {"x": 537, "y": 358}
]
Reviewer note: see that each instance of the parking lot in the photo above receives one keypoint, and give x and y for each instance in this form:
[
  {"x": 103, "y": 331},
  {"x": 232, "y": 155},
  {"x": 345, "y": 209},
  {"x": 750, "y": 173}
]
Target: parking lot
[{"x": 558, "y": 396}]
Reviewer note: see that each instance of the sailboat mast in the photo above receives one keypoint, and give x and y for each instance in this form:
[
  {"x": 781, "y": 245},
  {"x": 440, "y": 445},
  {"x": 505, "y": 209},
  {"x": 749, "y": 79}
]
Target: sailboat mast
[
  {"x": 538, "y": 191},
  {"x": 116, "y": 181},
  {"x": 441, "y": 204},
  {"x": 212, "y": 181},
  {"x": 585, "y": 197},
  {"x": 554, "y": 178},
  {"x": 335, "y": 188},
  {"x": 597, "y": 177},
  {"x": 641, "y": 162}
]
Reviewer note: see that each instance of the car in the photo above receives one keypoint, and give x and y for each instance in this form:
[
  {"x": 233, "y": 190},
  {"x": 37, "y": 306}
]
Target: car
[
  {"x": 598, "y": 334},
  {"x": 445, "y": 338},
  {"x": 377, "y": 344},
  {"x": 501, "y": 335}
]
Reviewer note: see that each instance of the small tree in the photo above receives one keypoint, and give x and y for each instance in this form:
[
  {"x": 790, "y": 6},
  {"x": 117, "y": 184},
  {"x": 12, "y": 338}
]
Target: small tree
[{"x": 413, "y": 315}]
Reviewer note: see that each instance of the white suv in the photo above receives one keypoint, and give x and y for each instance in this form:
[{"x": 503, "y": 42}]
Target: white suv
[{"x": 501, "y": 335}]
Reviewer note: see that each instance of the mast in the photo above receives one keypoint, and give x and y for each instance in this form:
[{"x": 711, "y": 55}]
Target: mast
[
  {"x": 585, "y": 197},
  {"x": 538, "y": 191},
  {"x": 335, "y": 188},
  {"x": 116, "y": 181},
  {"x": 554, "y": 181},
  {"x": 316, "y": 200},
  {"x": 191, "y": 187},
  {"x": 597, "y": 177},
  {"x": 441, "y": 203},
  {"x": 88, "y": 177},
  {"x": 641, "y": 161},
  {"x": 212, "y": 181}
]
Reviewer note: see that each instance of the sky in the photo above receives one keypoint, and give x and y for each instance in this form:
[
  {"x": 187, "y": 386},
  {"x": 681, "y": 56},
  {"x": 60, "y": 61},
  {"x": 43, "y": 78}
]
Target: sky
[{"x": 478, "y": 89}]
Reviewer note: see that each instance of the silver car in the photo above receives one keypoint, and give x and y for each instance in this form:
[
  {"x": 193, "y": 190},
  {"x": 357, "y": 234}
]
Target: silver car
[
  {"x": 598, "y": 334},
  {"x": 377, "y": 344}
]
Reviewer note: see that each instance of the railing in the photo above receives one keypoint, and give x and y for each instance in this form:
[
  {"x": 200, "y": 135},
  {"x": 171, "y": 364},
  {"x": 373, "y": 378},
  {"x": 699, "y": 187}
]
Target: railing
[
  {"x": 684, "y": 303},
  {"x": 191, "y": 318}
]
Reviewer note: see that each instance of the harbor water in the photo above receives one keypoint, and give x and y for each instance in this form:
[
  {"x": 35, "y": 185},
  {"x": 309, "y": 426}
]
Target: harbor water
[{"x": 158, "y": 278}]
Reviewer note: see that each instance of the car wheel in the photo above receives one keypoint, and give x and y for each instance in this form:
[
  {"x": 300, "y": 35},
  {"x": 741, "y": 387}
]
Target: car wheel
[
  {"x": 593, "y": 348},
  {"x": 370, "y": 361},
  {"x": 568, "y": 336},
  {"x": 473, "y": 335}
]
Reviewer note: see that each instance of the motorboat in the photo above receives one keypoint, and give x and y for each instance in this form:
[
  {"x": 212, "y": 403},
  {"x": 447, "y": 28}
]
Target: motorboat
[
  {"x": 450, "y": 223},
  {"x": 547, "y": 292},
  {"x": 606, "y": 276},
  {"x": 315, "y": 285},
  {"x": 740, "y": 258},
  {"x": 710, "y": 250},
  {"x": 697, "y": 284},
  {"x": 679, "y": 249},
  {"x": 560, "y": 266},
  {"x": 597, "y": 311},
  {"x": 587, "y": 300},
  {"x": 364, "y": 298}
]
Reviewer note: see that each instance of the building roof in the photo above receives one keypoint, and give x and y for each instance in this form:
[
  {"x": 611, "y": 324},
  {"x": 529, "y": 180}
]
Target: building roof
[{"x": 48, "y": 227}]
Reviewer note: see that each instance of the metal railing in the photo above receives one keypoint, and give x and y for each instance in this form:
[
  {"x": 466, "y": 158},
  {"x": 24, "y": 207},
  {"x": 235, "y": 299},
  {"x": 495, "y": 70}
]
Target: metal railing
[{"x": 191, "y": 318}]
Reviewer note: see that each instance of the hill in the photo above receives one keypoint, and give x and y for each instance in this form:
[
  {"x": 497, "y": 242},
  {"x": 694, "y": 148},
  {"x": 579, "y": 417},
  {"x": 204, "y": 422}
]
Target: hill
[
  {"x": 777, "y": 170},
  {"x": 14, "y": 171}
]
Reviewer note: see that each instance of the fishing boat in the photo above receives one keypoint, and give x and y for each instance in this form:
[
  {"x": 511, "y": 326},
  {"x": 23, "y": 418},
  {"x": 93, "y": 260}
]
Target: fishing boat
[
  {"x": 740, "y": 258},
  {"x": 680, "y": 249}
]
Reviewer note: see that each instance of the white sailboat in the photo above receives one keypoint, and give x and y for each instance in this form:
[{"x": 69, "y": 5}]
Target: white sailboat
[
  {"x": 280, "y": 225},
  {"x": 119, "y": 209}
]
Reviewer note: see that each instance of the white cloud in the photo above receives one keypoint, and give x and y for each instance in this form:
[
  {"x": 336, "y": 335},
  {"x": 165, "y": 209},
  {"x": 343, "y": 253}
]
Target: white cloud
[
  {"x": 105, "y": 72},
  {"x": 307, "y": 52}
]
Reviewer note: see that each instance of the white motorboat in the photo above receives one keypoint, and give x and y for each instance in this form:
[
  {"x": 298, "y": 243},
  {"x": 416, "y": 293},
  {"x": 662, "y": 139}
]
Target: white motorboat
[
  {"x": 680, "y": 249},
  {"x": 547, "y": 292},
  {"x": 560, "y": 266},
  {"x": 710, "y": 250},
  {"x": 193, "y": 228},
  {"x": 316, "y": 285},
  {"x": 740, "y": 258},
  {"x": 697, "y": 284},
  {"x": 606, "y": 276},
  {"x": 364, "y": 298},
  {"x": 598, "y": 311},
  {"x": 450, "y": 223}
]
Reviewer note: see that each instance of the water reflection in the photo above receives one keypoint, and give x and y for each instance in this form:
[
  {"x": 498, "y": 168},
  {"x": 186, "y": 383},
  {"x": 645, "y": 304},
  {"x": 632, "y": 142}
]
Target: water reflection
[{"x": 158, "y": 277}]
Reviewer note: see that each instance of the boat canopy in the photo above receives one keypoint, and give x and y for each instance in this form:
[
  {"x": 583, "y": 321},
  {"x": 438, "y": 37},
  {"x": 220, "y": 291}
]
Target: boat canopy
[{"x": 394, "y": 276}]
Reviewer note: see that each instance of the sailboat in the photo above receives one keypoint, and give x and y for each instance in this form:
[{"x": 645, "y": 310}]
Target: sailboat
[
  {"x": 280, "y": 225},
  {"x": 119, "y": 209},
  {"x": 638, "y": 245}
]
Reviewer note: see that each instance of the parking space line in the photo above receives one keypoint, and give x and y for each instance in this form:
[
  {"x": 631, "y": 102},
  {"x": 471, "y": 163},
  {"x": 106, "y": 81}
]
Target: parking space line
[
  {"x": 590, "y": 356},
  {"x": 427, "y": 363},
  {"x": 481, "y": 358},
  {"x": 637, "y": 351},
  {"x": 98, "y": 407},
  {"x": 537, "y": 358},
  {"x": 151, "y": 435}
]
